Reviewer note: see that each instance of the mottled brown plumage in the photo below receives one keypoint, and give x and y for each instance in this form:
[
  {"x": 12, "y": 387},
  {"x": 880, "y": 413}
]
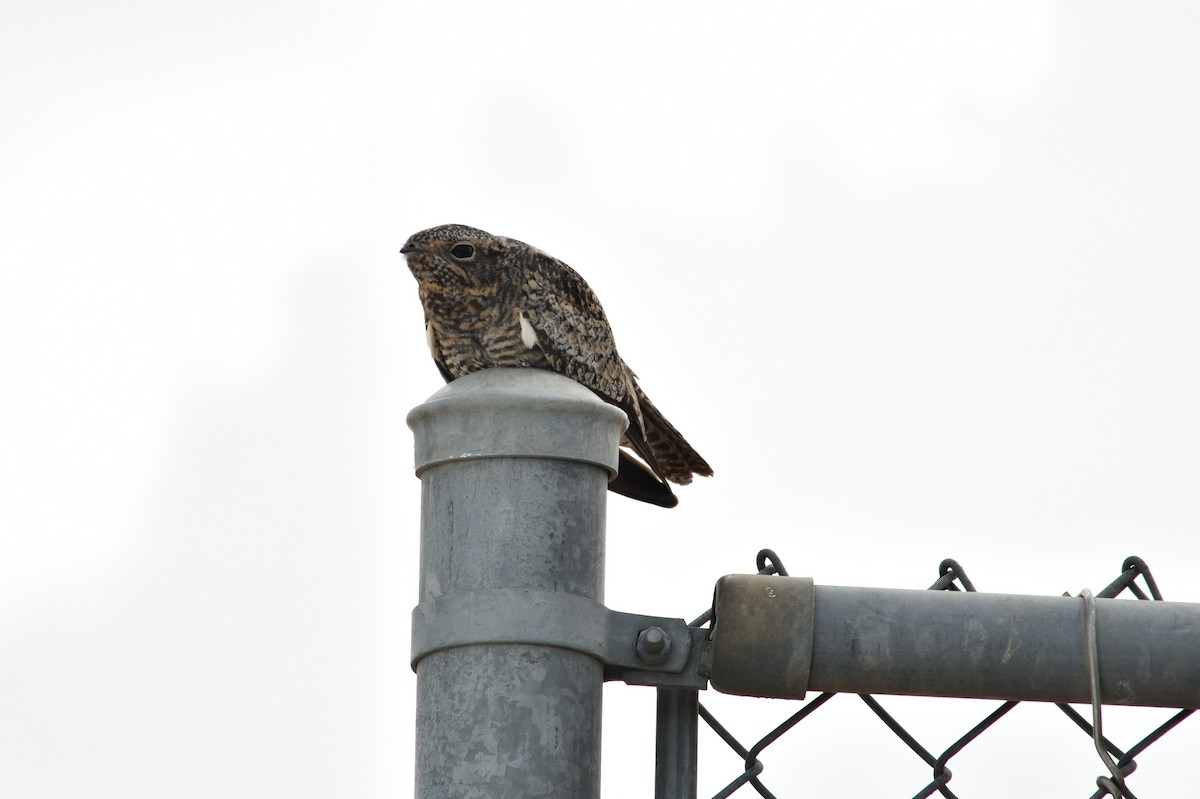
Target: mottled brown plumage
[{"x": 493, "y": 301}]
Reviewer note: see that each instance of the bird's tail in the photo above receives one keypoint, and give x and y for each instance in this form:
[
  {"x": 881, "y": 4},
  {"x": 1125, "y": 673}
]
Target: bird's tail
[{"x": 665, "y": 450}]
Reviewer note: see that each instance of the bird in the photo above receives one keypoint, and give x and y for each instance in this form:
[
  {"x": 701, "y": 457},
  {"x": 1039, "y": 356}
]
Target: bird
[{"x": 492, "y": 301}]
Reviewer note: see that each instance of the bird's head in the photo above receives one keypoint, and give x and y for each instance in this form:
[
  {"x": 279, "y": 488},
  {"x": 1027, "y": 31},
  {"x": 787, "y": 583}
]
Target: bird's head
[{"x": 454, "y": 256}]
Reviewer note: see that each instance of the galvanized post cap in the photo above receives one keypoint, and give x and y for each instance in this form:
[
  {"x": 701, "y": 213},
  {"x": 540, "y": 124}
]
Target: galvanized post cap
[{"x": 516, "y": 413}]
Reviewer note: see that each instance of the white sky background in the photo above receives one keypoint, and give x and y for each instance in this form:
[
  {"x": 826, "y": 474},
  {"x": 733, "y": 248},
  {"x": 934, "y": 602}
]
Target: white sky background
[{"x": 919, "y": 280}]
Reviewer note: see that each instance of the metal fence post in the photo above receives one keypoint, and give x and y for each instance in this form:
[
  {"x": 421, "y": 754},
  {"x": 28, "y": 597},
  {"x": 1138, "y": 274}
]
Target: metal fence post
[
  {"x": 514, "y": 465},
  {"x": 676, "y": 750}
]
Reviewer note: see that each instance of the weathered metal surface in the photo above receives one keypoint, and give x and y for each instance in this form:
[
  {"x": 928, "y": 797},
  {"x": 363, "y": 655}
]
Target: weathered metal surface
[
  {"x": 676, "y": 744},
  {"x": 548, "y": 618},
  {"x": 950, "y": 643},
  {"x": 762, "y": 635},
  {"x": 514, "y": 466}
]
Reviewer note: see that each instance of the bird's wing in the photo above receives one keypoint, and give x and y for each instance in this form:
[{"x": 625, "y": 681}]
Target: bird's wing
[
  {"x": 572, "y": 331},
  {"x": 571, "y": 328}
]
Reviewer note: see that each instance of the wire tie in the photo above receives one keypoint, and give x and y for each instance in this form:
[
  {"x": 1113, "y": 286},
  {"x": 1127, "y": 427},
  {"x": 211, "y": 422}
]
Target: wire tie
[{"x": 1117, "y": 782}]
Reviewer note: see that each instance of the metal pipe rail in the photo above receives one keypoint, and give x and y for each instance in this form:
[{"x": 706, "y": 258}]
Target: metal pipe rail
[{"x": 782, "y": 636}]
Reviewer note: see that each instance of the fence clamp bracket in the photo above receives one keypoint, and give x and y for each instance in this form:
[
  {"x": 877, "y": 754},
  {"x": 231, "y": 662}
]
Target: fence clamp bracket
[{"x": 636, "y": 649}]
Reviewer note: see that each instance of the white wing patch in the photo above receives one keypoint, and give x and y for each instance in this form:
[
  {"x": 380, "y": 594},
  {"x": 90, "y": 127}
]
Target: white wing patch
[{"x": 528, "y": 334}]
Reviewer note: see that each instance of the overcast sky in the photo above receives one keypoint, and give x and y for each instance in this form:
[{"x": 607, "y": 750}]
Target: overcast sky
[{"x": 919, "y": 280}]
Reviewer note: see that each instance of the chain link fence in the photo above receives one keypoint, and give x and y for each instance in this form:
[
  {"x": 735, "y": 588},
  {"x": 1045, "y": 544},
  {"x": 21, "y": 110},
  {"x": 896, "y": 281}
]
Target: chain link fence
[{"x": 1118, "y": 762}]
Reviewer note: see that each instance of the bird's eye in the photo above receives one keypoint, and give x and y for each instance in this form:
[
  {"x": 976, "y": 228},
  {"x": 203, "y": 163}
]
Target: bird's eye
[{"x": 463, "y": 252}]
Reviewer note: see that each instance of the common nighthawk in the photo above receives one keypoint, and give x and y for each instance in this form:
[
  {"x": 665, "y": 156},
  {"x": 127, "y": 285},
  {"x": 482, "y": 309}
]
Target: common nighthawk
[{"x": 493, "y": 301}]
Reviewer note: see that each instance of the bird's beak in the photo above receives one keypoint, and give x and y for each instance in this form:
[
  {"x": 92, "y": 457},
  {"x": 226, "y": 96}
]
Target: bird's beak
[{"x": 407, "y": 248}]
